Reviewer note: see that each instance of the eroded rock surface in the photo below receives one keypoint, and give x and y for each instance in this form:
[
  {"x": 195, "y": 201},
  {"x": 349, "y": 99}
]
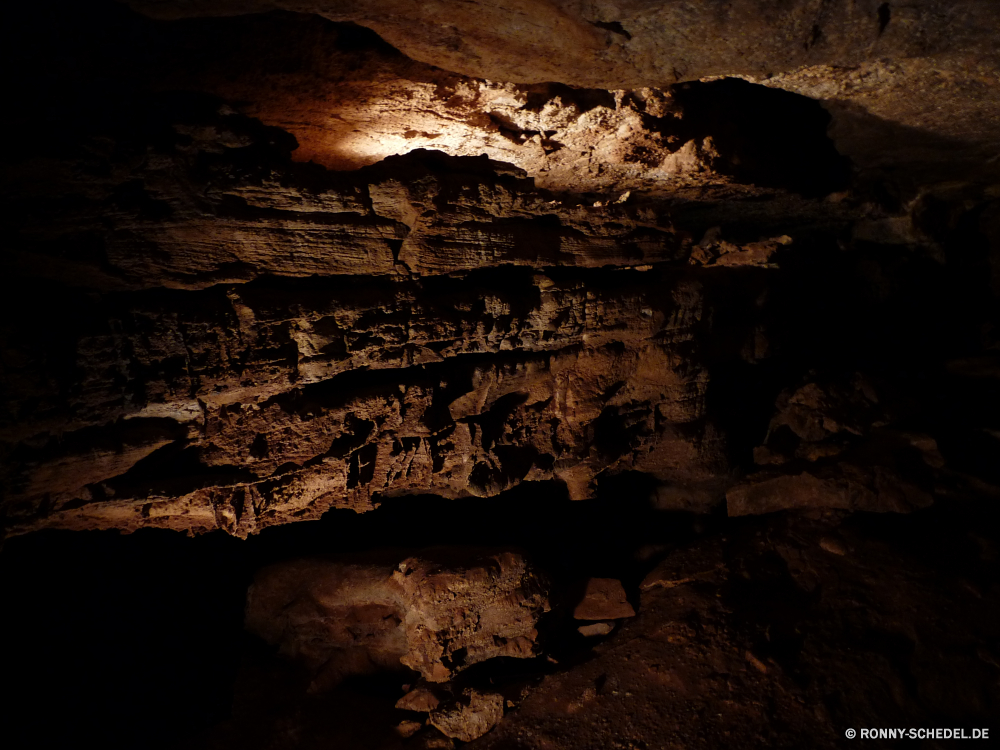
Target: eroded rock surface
[
  {"x": 772, "y": 631},
  {"x": 598, "y": 43},
  {"x": 910, "y": 85},
  {"x": 237, "y": 391},
  {"x": 236, "y": 339},
  {"x": 469, "y": 717},
  {"x": 436, "y": 613},
  {"x": 263, "y": 265}
]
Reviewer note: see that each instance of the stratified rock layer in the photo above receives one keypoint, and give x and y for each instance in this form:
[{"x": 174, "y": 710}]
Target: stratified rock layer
[
  {"x": 220, "y": 336},
  {"x": 252, "y": 342}
]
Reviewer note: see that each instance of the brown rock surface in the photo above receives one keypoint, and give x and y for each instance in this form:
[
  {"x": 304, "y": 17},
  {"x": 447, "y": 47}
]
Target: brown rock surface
[
  {"x": 595, "y": 628},
  {"x": 421, "y": 698},
  {"x": 835, "y": 449},
  {"x": 603, "y": 599},
  {"x": 243, "y": 404},
  {"x": 340, "y": 619},
  {"x": 884, "y": 70},
  {"x": 245, "y": 339},
  {"x": 767, "y": 639},
  {"x": 269, "y": 261},
  {"x": 845, "y": 487},
  {"x": 469, "y": 717},
  {"x": 629, "y": 43}
]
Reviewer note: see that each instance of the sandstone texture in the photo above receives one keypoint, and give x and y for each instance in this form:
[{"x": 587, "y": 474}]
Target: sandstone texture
[
  {"x": 595, "y": 629},
  {"x": 632, "y": 42},
  {"x": 586, "y": 277},
  {"x": 236, "y": 370},
  {"x": 241, "y": 296},
  {"x": 471, "y": 718}
]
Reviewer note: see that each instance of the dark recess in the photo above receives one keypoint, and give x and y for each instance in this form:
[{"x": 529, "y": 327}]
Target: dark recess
[
  {"x": 884, "y": 16},
  {"x": 766, "y": 137},
  {"x": 135, "y": 641}
]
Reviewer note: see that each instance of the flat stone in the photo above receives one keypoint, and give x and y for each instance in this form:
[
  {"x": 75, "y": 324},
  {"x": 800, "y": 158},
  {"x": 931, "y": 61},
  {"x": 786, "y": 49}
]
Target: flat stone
[
  {"x": 408, "y": 728},
  {"x": 603, "y": 599},
  {"x": 421, "y": 699},
  {"x": 596, "y": 628}
]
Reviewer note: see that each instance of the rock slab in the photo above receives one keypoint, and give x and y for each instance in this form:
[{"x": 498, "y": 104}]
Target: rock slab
[{"x": 434, "y": 613}]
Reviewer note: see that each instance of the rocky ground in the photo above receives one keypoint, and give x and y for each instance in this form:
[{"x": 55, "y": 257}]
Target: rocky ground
[{"x": 781, "y": 630}]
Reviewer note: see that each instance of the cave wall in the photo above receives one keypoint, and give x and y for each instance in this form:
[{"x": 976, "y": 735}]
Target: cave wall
[
  {"x": 238, "y": 336},
  {"x": 634, "y": 44},
  {"x": 231, "y": 332},
  {"x": 683, "y": 315}
]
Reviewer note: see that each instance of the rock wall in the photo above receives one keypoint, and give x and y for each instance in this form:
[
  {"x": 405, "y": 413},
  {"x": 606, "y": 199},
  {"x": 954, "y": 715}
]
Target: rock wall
[
  {"x": 227, "y": 337},
  {"x": 254, "y": 341}
]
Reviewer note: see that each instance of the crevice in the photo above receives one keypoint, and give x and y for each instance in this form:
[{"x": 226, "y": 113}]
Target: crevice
[
  {"x": 787, "y": 147},
  {"x": 884, "y": 16},
  {"x": 614, "y": 27},
  {"x": 814, "y": 37},
  {"x": 174, "y": 471}
]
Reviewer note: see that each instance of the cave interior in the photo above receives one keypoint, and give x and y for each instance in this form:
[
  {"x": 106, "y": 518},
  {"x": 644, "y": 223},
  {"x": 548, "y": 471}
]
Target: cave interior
[{"x": 541, "y": 375}]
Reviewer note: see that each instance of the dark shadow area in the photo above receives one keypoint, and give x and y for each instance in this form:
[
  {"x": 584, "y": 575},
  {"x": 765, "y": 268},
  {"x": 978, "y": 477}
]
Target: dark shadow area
[
  {"x": 857, "y": 619},
  {"x": 118, "y": 641},
  {"x": 886, "y": 151},
  {"x": 766, "y": 137},
  {"x": 135, "y": 640}
]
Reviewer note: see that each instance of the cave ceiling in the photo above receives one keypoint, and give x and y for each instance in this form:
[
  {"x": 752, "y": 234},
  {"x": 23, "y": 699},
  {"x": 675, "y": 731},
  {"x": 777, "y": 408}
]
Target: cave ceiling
[{"x": 908, "y": 84}]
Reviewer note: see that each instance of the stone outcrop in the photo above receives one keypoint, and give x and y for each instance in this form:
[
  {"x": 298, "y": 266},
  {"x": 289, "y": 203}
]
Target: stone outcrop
[
  {"x": 593, "y": 629},
  {"x": 237, "y": 336},
  {"x": 592, "y": 269},
  {"x": 351, "y": 100},
  {"x": 437, "y": 613},
  {"x": 773, "y": 631},
  {"x": 469, "y": 717}
]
